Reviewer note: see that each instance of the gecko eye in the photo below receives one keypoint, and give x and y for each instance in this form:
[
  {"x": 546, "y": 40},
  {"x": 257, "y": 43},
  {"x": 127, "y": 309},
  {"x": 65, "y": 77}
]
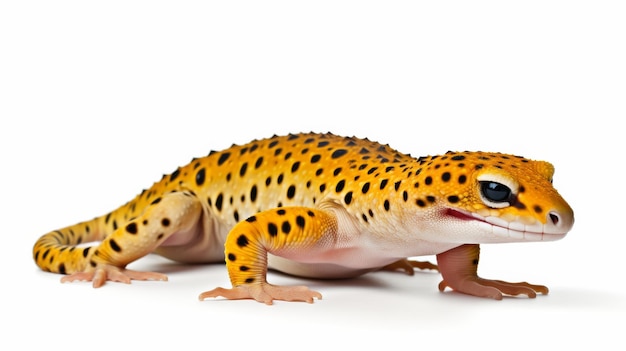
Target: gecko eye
[{"x": 495, "y": 192}]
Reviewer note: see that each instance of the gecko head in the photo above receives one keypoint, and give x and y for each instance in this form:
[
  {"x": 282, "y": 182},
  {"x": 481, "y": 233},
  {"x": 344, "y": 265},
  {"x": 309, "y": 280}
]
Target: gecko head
[{"x": 493, "y": 197}]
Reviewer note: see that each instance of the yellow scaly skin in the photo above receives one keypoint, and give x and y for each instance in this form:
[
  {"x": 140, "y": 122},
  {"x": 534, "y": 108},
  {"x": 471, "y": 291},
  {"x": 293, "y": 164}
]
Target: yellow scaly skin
[{"x": 322, "y": 206}]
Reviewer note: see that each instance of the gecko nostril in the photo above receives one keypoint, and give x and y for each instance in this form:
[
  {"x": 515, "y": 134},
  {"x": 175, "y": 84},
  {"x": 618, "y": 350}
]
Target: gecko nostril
[{"x": 554, "y": 218}]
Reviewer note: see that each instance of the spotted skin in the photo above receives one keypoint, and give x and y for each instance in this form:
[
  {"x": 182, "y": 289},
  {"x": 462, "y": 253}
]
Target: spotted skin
[{"x": 320, "y": 206}]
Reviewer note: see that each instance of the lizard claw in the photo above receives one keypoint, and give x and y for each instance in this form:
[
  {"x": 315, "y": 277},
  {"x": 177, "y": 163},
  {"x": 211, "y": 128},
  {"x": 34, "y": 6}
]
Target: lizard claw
[
  {"x": 265, "y": 293},
  {"x": 101, "y": 274}
]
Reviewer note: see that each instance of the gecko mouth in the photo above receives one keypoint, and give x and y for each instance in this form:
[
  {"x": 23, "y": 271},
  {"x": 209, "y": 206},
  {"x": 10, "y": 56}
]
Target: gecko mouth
[{"x": 501, "y": 228}]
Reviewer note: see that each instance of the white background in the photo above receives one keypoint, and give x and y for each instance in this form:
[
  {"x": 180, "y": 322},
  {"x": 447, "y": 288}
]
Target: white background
[{"x": 98, "y": 99}]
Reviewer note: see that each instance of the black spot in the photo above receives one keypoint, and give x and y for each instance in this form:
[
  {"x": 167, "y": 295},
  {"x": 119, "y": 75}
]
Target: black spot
[
  {"x": 291, "y": 192},
  {"x": 348, "y": 198},
  {"x": 62, "y": 268},
  {"x": 249, "y": 280},
  {"x": 131, "y": 228},
  {"x": 278, "y": 151},
  {"x": 253, "y": 193},
  {"x": 337, "y": 171},
  {"x": 322, "y": 188},
  {"x": 86, "y": 251},
  {"x": 300, "y": 220},
  {"x": 286, "y": 227},
  {"x": 156, "y": 201},
  {"x": 319, "y": 172},
  {"x": 315, "y": 158},
  {"x": 165, "y": 222},
  {"x": 242, "y": 170},
  {"x": 272, "y": 144},
  {"x": 242, "y": 241},
  {"x": 244, "y": 268},
  {"x": 453, "y": 199},
  {"x": 462, "y": 179},
  {"x": 340, "y": 185},
  {"x": 445, "y": 176},
  {"x": 115, "y": 246},
  {"x": 219, "y": 201},
  {"x": 365, "y": 188},
  {"x": 114, "y": 225},
  {"x": 430, "y": 199},
  {"x": 232, "y": 257},
  {"x": 259, "y": 162},
  {"x": 251, "y": 219},
  {"x": 236, "y": 216},
  {"x": 537, "y": 209},
  {"x": 322, "y": 143},
  {"x": 287, "y": 156},
  {"x": 223, "y": 157},
  {"x": 397, "y": 185},
  {"x": 420, "y": 203},
  {"x": 338, "y": 153},
  {"x": 428, "y": 180},
  {"x": 268, "y": 181},
  {"x": 386, "y": 205},
  {"x": 310, "y": 213},
  {"x": 295, "y": 167},
  {"x": 405, "y": 196},
  {"x": 383, "y": 183},
  {"x": 280, "y": 179},
  {"x": 200, "y": 176},
  {"x": 372, "y": 170},
  {"x": 457, "y": 157},
  {"x": 174, "y": 175},
  {"x": 475, "y": 261},
  {"x": 106, "y": 219},
  {"x": 272, "y": 229}
]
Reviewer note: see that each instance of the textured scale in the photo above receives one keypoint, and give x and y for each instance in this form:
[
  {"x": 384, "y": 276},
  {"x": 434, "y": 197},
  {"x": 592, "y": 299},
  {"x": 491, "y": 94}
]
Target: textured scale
[{"x": 319, "y": 205}]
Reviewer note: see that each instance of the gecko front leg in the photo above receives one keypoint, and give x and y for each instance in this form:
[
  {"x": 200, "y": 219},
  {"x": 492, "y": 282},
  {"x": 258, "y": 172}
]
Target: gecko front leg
[
  {"x": 458, "y": 267},
  {"x": 290, "y": 231}
]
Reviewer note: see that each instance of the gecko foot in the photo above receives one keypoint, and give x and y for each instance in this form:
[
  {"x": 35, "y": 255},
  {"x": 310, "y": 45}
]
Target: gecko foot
[
  {"x": 265, "y": 293},
  {"x": 494, "y": 289},
  {"x": 458, "y": 267},
  {"x": 103, "y": 273},
  {"x": 408, "y": 266}
]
